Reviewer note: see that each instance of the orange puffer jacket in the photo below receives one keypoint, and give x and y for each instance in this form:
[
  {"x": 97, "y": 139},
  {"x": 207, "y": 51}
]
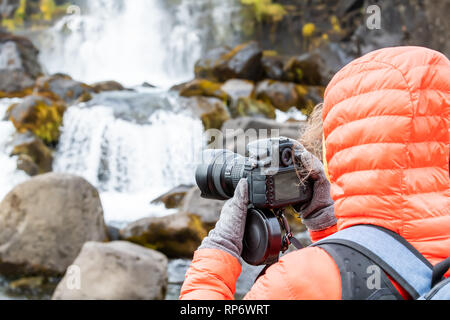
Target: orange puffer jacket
[{"x": 387, "y": 136}]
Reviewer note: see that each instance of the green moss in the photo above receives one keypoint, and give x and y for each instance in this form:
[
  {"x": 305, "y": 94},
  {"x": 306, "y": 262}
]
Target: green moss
[
  {"x": 173, "y": 243},
  {"x": 253, "y": 107},
  {"x": 41, "y": 118},
  {"x": 206, "y": 88},
  {"x": 266, "y": 10}
]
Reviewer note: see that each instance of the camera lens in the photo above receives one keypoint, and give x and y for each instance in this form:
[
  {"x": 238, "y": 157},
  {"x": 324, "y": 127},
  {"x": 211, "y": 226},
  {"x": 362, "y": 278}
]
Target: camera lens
[{"x": 219, "y": 174}]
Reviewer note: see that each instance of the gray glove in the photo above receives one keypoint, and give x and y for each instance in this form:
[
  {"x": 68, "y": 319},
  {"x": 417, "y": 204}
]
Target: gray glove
[
  {"x": 319, "y": 213},
  {"x": 229, "y": 230}
]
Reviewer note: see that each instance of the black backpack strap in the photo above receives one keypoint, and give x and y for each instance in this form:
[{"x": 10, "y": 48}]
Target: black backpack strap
[
  {"x": 388, "y": 250},
  {"x": 439, "y": 270},
  {"x": 355, "y": 269}
]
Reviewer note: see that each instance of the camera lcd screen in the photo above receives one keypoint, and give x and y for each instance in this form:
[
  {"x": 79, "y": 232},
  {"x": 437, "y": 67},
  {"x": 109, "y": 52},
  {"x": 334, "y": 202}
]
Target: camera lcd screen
[{"x": 286, "y": 186}]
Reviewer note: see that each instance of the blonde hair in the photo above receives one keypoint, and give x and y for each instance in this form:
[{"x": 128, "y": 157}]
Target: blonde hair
[{"x": 312, "y": 137}]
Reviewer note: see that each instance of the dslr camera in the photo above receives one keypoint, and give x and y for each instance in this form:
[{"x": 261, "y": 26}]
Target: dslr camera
[{"x": 275, "y": 184}]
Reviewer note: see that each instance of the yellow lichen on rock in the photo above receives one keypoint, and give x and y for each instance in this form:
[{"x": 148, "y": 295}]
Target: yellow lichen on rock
[{"x": 40, "y": 116}]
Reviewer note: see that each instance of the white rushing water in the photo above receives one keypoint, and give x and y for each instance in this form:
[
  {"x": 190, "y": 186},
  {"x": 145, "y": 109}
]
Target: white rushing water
[
  {"x": 138, "y": 41},
  {"x": 130, "y": 163},
  {"x": 9, "y": 175}
]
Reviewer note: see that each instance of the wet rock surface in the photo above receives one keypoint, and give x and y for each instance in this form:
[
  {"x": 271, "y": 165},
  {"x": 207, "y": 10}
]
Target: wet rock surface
[
  {"x": 117, "y": 270},
  {"x": 177, "y": 235},
  {"x": 45, "y": 221},
  {"x": 19, "y": 66}
]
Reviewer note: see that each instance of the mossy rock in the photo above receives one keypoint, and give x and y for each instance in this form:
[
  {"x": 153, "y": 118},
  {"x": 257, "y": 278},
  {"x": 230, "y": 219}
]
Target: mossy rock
[
  {"x": 107, "y": 86},
  {"x": 174, "y": 197},
  {"x": 205, "y": 88},
  {"x": 212, "y": 111},
  {"x": 34, "y": 157},
  {"x": 282, "y": 95},
  {"x": 177, "y": 235},
  {"x": 242, "y": 62},
  {"x": 309, "y": 98},
  {"x": 39, "y": 287},
  {"x": 304, "y": 69},
  {"x": 248, "y": 107},
  {"x": 204, "y": 68},
  {"x": 63, "y": 87},
  {"x": 39, "y": 115}
]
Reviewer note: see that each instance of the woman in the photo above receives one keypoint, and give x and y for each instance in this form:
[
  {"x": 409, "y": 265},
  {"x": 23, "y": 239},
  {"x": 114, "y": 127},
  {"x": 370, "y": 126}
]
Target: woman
[{"x": 386, "y": 129}]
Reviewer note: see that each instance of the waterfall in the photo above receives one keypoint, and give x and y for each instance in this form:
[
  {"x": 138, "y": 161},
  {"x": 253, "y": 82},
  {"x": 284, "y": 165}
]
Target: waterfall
[
  {"x": 154, "y": 41},
  {"x": 131, "y": 162},
  {"x": 9, "y": 176},
  {"x": 131, "y": 145}
]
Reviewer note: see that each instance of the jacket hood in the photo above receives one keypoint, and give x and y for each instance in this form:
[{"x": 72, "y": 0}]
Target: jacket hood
[{"x": 387, "y": 137}]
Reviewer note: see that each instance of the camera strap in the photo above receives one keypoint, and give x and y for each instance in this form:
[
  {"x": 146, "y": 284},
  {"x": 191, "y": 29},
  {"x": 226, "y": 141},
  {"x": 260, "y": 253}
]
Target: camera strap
[{"x": 288, "y": 237}]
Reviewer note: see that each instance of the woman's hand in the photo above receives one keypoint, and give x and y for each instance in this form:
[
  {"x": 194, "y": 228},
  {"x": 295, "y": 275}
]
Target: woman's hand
[
  {"x": 229, "y": 230},
  {"x": 319, "y": 213}
]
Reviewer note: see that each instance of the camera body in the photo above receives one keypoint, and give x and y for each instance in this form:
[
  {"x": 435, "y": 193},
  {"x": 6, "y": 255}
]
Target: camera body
[
  {"x": 276, "y": 185},
  {"x": 274, "y": 182}
]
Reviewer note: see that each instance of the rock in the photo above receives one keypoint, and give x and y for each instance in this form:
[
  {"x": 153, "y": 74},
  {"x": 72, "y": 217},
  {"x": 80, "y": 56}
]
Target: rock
[
  {"x": 282, "y": 95},
  {"x": 204, "y": 68},
  {"x": 174, "y": 197},
  {"x": 34, "y": 156},
  {"x": 243, "y": 62},
  {"x": 208, "y": 210},
  {"x": 437, "y": 13},
  {"x": 304, "y": 69},
  {"x": 212, "y": 111},
  {"x": 273, "y": 67},
  {"x": 45, "y": 221},
  {"x": 8, "y": 7},
  {"x": 148, "y": 85},
  {"x": 39, "y": 115},
  {"x": 113, "y": 233},
  {"x": 26, "y": 164},
  {"x": 248, "y": 107},
  {"x": 19, "y": 66},
  {"x": 107, "y": 86},
  {"x": 117, "y": 270},
  {"x": 63, "y": 87},
  {"x": 310, "y": 97},
  {"x": 205, "y": 88},
  {"x": 177, "y": 235},
  {"x": 33, "y": 287},
  {"x": 238, "y": 88}
]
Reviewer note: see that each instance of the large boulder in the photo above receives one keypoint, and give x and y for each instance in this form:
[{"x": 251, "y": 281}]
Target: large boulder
[
  {"x": 107, "y": 86},
  {"x": 45, "y": 221},
  {"x": 221, "y": 64},
  {"x": 39, "y": 115},
  {"x": 282, "y": 95},
  {"x": 249, "y": 107},
  {"x": 203, "y": 87},
  {"x": 118, "y": 270},
  {"x": 238, "y": 88},
  {"x": 243, "y": 62},
  {"x": 63, "y": 87},
  {"x": 174, "y": 197},
  {"x": 177, "y": 235},
  {"x": 34, "y": 157},
  {"x": 273, "y": 66},
  {"x": 212, "y": 111},
  {"x": 208, "y": 210},
  {"x": 304, "y": 69},
  {"x": 204, "y": 68},
  {"x": 19, "y": 66}
]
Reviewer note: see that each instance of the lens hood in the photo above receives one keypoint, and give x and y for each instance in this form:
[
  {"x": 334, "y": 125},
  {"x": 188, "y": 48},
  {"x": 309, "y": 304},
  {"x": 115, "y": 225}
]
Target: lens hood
[{"x": 262, "y": 238}]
